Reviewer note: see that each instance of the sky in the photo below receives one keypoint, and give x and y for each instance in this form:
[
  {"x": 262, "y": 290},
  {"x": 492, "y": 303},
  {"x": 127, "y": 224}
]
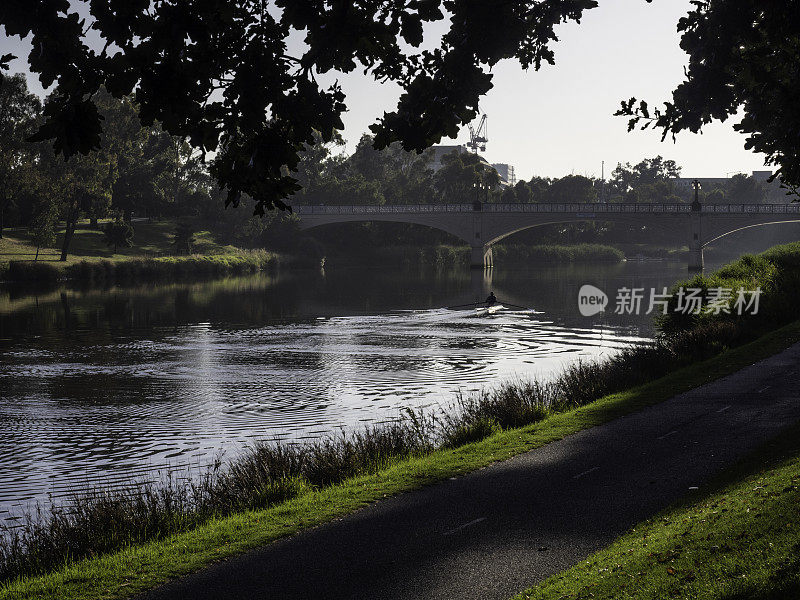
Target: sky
[{"x": 559, "y": 120}]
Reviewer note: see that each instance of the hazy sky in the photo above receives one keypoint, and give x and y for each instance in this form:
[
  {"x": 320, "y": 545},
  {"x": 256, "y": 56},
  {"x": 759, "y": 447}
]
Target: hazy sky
[{"x": 559, "y": 120}]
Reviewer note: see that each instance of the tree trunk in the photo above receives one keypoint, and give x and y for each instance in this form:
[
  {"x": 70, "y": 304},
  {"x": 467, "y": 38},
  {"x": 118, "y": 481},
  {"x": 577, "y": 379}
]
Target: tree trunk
[
  {"x": 93, "y": 222},
  {"x": 69, "y": 230},
  {"x": 37, "y": 254},
  {"x": 2, "y": 218}
]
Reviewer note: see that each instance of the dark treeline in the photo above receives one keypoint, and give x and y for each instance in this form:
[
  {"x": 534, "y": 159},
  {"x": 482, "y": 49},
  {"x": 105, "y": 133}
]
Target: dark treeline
[{"x": 141, "y": 171}]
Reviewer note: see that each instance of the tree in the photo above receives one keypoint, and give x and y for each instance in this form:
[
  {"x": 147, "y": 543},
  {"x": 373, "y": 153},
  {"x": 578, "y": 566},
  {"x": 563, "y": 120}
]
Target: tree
[
  {"x": 523, "y": 191},
  {"x": 743, "y": 59},
  {"x": 744, "y": 189},
  {"x": 43, "y": 224},
  {"x": 119, "y": 233},
  {"x": 184, "y": 239},
  {"x": 218, "y": 73},
  {"x": 456, "y": 180},
  {"x": 18, "y": 112},
  {"x": 651, "y": 180},
  {"x": 79, "y": 184},
  {"x": 539, "y": 187},
  {"x": 571, "y": 189}
]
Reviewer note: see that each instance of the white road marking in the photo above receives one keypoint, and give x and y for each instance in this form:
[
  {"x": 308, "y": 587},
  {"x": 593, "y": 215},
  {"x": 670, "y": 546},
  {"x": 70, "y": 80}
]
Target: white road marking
[
  {"x": 464, "y": 526},
  {"x": 592, "y": 470},
  {"x": 667, "y": 434},
  {"x": 721, "y": 410},
  {"x": 764, "y": 389}
]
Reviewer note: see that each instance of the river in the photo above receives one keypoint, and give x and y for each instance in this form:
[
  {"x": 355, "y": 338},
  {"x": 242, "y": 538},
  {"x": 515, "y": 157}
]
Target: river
[{"x": 98, "y": 386}]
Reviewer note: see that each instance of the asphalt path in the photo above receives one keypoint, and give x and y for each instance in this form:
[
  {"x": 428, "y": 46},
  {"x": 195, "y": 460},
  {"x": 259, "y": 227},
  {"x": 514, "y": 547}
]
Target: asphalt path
[{"x": 495, "y": 532}]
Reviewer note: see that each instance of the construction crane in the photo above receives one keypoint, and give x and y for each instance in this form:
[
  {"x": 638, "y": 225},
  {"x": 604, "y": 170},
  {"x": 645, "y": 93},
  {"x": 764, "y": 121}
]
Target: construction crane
[{"x": 478, "y": 136}]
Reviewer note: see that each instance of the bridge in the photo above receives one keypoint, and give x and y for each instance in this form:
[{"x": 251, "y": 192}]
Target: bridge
[{"x": 482, "y": 225}]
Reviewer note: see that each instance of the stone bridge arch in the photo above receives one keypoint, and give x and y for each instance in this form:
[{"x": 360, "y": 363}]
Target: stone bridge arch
[{"x": 483, "y": 226}]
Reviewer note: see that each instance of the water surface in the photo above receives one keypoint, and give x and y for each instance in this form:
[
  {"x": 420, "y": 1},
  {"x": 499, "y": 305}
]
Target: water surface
[{"x": 97, "y": 386}]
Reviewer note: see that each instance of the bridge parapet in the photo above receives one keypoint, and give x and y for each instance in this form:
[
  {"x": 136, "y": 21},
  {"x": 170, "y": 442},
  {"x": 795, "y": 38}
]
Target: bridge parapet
[{"x": 582, "y": 208}]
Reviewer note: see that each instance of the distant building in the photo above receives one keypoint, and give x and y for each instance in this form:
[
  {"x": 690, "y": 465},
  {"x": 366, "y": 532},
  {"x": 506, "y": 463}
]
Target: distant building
[
  {"x": 706, "y": 183},
  {"x": 774, "y": 191},
  {"x": 506, "y": 172},
  {"x": 441, "y": 151}
]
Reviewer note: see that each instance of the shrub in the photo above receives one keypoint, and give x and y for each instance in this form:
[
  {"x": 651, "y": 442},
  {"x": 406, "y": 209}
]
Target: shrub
[
  {"x": 24, "y": 270},
  {"x": 173, "y": 267},
  {"x": 514, "y": 253}
]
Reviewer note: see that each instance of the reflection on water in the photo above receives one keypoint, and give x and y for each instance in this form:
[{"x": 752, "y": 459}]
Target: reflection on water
[{"x": 99, "y": 385}]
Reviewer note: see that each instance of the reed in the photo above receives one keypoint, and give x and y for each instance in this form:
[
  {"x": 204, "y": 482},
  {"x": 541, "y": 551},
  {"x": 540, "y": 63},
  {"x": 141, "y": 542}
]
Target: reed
[{"x": 516, "y": 253}]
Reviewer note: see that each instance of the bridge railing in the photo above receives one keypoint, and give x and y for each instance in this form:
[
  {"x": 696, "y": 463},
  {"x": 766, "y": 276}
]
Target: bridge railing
[
  {"x": 386, "y": 208},
  {"x": 594, "y": 208}
]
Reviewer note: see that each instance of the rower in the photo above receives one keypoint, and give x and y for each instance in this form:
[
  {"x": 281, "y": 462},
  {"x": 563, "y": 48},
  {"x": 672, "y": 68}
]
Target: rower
[{"x": 491, "y": 299}]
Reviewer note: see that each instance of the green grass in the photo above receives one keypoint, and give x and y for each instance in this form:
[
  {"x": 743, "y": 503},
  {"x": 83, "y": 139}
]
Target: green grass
[
  {"x": 738, "y": 541},
  {"x": 142, "y": 567},
  {"x": 91, "y": 258},
  {"x": 776, "y": 272},
  {"x": 150, "y": 239}
]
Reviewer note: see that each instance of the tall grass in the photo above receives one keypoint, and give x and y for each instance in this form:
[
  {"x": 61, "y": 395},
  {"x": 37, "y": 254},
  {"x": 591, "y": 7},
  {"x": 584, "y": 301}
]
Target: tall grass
[
  {"x": 438, "y": 256},
  {"x": 513, "y": 253},
  {"x": 776, "y": 272},
  {"x": 444, "y": 256}
]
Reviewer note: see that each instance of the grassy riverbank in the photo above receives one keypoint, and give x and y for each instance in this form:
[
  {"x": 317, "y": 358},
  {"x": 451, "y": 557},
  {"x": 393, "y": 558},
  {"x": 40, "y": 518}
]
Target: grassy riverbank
[
  {"x": 238, "y": 262},
  {"x": 775, "y": 272},
  {"x": 143, "y": 565},
  {"x": 737, "y": 541},
  {"x": 150, "y": 258}
]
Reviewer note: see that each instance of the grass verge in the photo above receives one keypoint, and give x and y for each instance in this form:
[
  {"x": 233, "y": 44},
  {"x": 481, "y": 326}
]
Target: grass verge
[
  {"x": 141, "y": 567},
  {"x": 739, "y": 540},
  {"x": 145, "y": 269}
]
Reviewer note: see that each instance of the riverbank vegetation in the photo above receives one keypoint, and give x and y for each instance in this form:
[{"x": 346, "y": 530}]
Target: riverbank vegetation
[
  {"x": 147, "y": 269},
  {"x": 776, "y": 273},
  {"x": 447, "y": 256},
  {"x": 104, "y": 521},
  {"x": 736, "y": 541},
  {"x": 558, "y": 253},
  {"x": 139, "y": 566}
]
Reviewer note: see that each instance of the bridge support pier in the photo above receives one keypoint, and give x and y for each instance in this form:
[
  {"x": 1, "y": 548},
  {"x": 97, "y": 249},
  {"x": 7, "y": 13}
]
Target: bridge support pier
[
  {"x": 696, "y": 264},
  {"x": 696, "y": 242},
  {"x": 481, "y": 257}
]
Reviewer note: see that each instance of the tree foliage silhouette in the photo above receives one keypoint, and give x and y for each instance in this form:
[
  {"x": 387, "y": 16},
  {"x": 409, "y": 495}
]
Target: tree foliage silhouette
[
  {"x": 219, "y": 72},
  {"x": 744, "y": 59}
]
